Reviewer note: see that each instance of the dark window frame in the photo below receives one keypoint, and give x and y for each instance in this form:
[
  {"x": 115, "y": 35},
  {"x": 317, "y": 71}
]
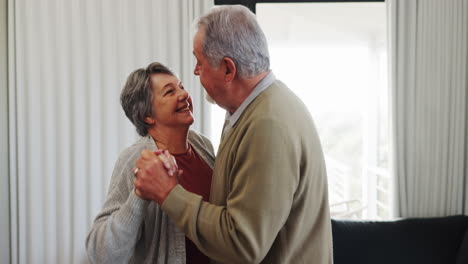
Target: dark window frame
[{"x": 251, "y": 4}]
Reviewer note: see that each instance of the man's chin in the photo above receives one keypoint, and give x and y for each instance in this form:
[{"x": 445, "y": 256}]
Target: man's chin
[{"x": 209, "y": 99}]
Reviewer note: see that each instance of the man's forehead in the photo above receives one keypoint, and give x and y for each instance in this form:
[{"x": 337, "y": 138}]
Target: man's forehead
[
  {"x": 199, "y": 35},
  {"x": 196, "y": 46}
]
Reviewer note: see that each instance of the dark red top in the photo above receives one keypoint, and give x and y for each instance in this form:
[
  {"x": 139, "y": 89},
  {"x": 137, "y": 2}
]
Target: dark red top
[{"x": 196, "y": 179}]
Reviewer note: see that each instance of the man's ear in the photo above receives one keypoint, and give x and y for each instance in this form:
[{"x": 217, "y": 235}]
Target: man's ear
[
  {"x": 230, "y": 68},
  {"x": 149, "y": 120}
]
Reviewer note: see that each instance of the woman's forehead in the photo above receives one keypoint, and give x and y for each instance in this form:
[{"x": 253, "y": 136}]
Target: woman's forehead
[{"x": 161, "y": 80}]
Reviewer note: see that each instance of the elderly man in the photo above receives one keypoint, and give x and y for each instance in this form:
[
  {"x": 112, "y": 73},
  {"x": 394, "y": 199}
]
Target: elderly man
[{"x": 269, "y": 200}]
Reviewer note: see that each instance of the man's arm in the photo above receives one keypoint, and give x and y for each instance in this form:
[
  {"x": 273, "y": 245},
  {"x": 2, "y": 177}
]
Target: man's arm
[{"x": 266, "y": 175}]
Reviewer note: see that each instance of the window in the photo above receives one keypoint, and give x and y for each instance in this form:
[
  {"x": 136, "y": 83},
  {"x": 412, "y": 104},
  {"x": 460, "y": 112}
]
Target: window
[{"x": 333, "y": 56}]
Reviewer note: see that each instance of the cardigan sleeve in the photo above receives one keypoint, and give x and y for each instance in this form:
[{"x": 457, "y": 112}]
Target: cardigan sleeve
[
  {"x": 265, "y": 175},
  {"x": 203, "y": 146},
  {"x": 117, "y": 227}
]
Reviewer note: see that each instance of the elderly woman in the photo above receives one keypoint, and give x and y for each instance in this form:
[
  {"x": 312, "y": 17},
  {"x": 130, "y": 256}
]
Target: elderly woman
[{"x": 128, "y": 228}]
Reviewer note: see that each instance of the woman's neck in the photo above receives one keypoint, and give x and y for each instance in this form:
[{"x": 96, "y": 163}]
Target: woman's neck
[{"x": 172, "y": 139}]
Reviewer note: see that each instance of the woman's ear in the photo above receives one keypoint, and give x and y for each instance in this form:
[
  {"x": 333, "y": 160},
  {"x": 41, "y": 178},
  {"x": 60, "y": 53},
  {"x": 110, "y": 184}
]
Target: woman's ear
[
  {"x": 230, "y": 68},
  {"x": 149, "y": 120}
]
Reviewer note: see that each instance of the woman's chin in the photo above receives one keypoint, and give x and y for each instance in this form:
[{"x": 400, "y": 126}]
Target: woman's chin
[{"x": 188, "y": 122}]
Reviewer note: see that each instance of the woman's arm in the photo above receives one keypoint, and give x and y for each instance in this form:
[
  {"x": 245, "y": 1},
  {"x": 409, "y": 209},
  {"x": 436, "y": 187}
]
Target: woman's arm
[{"x": 115, "y": 230}]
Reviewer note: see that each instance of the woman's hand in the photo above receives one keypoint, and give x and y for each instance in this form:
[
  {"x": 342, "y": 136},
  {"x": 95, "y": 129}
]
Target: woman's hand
[{"x": 168, "y": 160}]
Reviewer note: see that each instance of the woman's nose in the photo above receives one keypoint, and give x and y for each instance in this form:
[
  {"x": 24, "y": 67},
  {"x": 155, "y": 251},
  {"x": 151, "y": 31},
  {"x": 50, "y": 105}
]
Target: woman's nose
[{"x": 183, "y": 95}]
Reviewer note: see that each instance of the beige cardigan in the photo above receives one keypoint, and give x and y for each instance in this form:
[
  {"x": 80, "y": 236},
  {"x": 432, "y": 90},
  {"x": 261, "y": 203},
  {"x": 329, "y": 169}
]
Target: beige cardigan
[{"x": 269, "y": 200}]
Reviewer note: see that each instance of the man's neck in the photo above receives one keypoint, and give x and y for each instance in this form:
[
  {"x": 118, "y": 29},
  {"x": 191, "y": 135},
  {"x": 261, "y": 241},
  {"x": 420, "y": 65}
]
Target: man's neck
[
  {"x": 172, "y": 139},
  {"x": 242, "y": 88}
]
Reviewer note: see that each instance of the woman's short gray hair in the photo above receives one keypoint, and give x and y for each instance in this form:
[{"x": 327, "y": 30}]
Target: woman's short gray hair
[
  {"x": 136, "y": 97},
  {"x": 233, "y": 31}
]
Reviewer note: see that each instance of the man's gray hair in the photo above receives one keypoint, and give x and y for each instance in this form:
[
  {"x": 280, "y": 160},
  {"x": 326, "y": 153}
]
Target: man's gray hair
[
  {"x": 136, "y": 97},
  {"x": 233, "y": 31}
]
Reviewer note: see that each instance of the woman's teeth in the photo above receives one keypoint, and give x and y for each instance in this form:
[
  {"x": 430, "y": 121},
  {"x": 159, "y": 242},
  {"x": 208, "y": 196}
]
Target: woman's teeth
[{"x": 183, "y": 109}]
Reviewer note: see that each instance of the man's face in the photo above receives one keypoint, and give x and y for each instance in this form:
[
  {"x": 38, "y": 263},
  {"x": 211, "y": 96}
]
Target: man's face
[{"x": 210, "y": 77}]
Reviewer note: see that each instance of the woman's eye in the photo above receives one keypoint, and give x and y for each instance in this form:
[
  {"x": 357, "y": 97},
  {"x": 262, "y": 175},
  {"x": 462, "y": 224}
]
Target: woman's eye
[{"x": 168, "y": 92}]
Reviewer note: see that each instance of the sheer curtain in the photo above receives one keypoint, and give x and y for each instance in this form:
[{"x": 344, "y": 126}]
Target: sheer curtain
[
  {"x": 68, "y": 61},
  {"x": 4, "y": 193},
  {"x": 428, "y": 55}
]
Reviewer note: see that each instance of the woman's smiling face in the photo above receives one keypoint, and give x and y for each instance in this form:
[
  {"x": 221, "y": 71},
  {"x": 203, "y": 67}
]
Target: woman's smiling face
[{"x": 172, "y": 105}]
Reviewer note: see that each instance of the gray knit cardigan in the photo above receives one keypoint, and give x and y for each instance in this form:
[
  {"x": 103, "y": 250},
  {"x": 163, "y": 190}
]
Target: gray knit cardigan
[{"x": 131, "y": 230}]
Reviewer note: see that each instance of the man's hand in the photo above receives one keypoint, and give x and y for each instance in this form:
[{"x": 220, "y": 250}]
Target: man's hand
[{"x": 153, "y": 181}]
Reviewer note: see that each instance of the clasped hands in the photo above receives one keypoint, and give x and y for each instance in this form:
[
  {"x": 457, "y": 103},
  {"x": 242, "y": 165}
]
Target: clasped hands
[{"x": 156, "y": 175}]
